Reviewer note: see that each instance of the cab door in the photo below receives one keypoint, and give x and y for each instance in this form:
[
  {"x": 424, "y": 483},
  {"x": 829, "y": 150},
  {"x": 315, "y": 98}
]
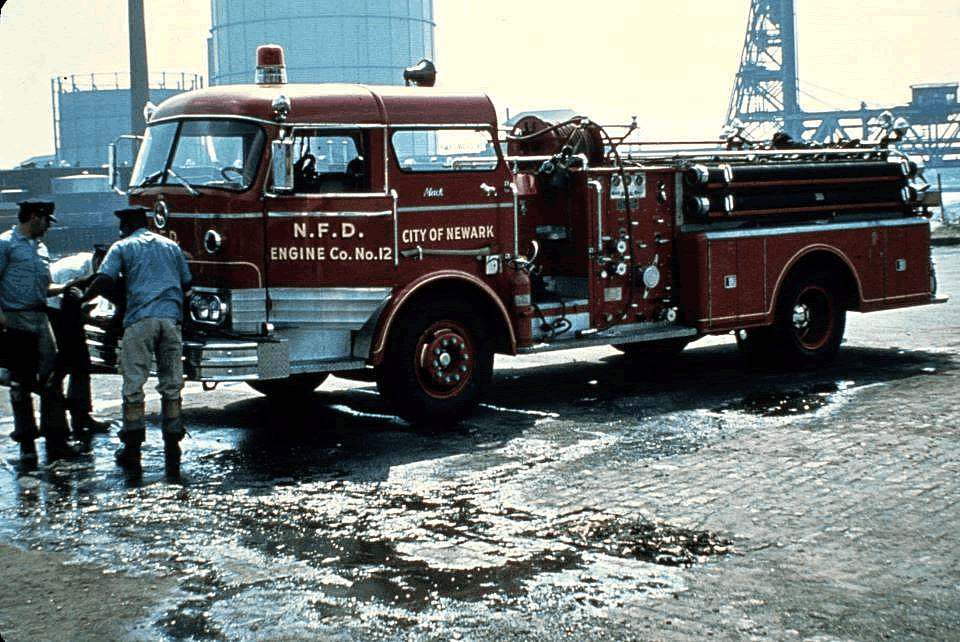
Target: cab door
[
  {"x": 330, "y": 244},
  {"x": 453, "y": 203},
  {"x": 334, "y": 227}
]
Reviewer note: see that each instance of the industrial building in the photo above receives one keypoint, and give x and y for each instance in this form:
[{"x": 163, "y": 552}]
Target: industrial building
[{"x": 92, "y": 110}]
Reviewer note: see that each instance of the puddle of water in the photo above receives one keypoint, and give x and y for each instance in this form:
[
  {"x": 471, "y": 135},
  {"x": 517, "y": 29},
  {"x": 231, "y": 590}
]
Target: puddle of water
[
  {"x": 588, "y": 565},
  {"x": 785, "y": 403},
  {"x": 644, "y": 541}
]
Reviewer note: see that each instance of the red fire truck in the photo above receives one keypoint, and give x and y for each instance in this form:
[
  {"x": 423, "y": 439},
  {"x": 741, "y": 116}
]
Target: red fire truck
[{"x": 396, "y": 231}]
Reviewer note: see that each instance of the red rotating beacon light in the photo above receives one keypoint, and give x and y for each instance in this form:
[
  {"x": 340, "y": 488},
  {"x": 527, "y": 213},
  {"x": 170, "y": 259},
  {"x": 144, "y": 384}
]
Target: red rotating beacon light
[{"x": 271, "y": 69}]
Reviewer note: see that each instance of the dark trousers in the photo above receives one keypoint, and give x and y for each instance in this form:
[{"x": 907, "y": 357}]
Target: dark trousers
[
  {"x": 21, "y": 358},
  {"x": 29, "y": 349},
  {"x": 73, "y": 356}
]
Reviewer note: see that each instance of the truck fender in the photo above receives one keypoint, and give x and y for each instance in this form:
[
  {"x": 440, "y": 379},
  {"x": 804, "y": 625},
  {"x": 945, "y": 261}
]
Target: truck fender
[
  {"x": 371, "y": 341},
  {"x": 829, "y": 255},
  {"x": 363, "y": 341}
]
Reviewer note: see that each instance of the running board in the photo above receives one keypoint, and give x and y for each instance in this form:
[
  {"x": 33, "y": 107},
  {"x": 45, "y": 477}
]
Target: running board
[{"x": 630, "y": 333}]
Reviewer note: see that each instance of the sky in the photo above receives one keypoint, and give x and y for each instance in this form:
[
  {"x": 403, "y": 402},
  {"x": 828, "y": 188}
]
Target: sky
[{"x": 670, "y": 64}]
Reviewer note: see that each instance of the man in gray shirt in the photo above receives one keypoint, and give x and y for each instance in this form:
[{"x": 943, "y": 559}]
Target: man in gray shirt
[
  {"x": 156, "y": 275},
  {"x": 27, "y": 337}
]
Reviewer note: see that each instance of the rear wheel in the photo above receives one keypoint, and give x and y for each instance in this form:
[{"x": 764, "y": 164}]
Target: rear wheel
[
  {"x": 810, "y": 320},
  {"x": 289, "y": 389},
  {"x": 436, "y": 362}
]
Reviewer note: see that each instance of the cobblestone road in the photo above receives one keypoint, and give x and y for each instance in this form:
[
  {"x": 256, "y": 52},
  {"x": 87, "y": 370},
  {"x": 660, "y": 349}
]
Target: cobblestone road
[{"x": 847, "y": 521}]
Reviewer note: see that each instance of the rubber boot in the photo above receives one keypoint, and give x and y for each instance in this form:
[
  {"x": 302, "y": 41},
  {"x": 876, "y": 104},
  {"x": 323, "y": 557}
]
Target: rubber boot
[
  {"x": 81, "y": 421},
  {"x": 132, "y": 434},
  {"x": 24, "y": 424},
  {"x": 28, "y": 454},
  {"x": 173, "y": 432},
  {"x": 83, "y": 425},
  {"x": 82, "y": 435},
  {"x": 77, "y": 429},
  {"x": 53, "y": 424},
  {"x": 91, "y": 425}
]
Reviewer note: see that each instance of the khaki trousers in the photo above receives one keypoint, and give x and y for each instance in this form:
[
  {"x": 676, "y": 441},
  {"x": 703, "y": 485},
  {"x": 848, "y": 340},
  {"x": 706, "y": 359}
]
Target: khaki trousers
[{"x": 153, "y": 338}]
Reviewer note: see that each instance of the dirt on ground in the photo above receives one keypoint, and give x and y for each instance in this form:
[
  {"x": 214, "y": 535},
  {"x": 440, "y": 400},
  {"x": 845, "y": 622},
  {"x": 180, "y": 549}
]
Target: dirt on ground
[{"x": 45, "y": 596}]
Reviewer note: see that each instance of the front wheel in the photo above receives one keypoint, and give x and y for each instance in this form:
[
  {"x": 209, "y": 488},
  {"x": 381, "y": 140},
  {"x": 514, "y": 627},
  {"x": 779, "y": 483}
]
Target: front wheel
[
  {"x": 810, "y": 321},
  {"x": 436, "y": 364}
]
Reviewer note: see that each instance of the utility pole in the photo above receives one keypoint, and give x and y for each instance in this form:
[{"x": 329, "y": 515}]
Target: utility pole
[{"x": 139, "y": 78}]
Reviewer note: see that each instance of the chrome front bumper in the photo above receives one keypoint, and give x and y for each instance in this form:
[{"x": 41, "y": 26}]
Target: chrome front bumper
[
  {"x": 235, "y": 360},
  {"x": 103, "y": 345},
  {"x": 214, "y": 360}
]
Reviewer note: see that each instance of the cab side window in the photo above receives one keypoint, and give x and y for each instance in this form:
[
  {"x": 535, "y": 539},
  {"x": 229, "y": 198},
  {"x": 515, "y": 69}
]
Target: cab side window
[
  {"x": 331, "y": 161},
  {"x": 444, "y": 150}
]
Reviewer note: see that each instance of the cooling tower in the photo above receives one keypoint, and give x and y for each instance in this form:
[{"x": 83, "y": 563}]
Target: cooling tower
[{"x": 365, "y": 41}]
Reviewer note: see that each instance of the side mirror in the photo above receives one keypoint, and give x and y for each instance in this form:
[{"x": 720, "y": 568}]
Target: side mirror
[
  {"x": 113, "y": 161},
  {"x": 282, "y": 165},
  {"x": 112, "y": 173}
]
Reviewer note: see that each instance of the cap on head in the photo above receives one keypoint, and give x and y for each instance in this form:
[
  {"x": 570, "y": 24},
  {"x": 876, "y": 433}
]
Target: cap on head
[
  {"x": 35, "y": 207},
  {"x": 131, "y": 212}
]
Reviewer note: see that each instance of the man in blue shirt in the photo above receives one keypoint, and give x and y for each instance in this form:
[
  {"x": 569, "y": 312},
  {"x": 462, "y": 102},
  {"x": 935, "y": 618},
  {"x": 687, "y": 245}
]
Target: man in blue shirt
[
  {"x": 156, "y": 275},
  {"x": 27, "y": 336}
]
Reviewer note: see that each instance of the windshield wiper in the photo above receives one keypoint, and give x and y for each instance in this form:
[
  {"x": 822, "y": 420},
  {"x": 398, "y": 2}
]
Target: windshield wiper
[
  {"x": 153, "y": 178},
  {"x": 190, "y": 188}
]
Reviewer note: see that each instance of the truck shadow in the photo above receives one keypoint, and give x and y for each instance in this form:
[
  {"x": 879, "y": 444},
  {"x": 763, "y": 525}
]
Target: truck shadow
[
  {"x": 339, "y": 435},
  {"x": 351, "y": 435},
  {"x": 618, "y": 387}
]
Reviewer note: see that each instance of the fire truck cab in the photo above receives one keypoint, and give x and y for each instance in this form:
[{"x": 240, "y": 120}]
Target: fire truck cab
[{"x": 396, "y": 231}]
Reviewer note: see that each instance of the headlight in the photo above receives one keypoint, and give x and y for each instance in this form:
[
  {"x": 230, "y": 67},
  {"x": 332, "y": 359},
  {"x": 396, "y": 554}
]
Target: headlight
[
  {"x": 209, "y": 308},
  {"x": 212, "y": 241}
]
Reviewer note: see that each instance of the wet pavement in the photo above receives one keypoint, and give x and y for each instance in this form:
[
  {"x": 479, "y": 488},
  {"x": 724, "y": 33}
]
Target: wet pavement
[{"x": 590, "y": 497}]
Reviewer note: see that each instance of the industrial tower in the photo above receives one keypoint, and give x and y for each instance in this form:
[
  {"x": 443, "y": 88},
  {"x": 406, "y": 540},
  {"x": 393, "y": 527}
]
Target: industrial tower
[
  {"x": 764, "y": 95},
  {"x": 764, "y": 99}
]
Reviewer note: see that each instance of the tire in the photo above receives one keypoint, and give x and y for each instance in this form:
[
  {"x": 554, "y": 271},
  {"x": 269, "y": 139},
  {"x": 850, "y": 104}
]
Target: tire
[
  {"x": 289, "y": 389},
  {"x": 437, "y": 362},
  {"x": 810, "y": 320}
]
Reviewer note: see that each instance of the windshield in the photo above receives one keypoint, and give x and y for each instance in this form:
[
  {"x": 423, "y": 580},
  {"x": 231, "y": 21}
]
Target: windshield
[{"x": 200, "y": 153}]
